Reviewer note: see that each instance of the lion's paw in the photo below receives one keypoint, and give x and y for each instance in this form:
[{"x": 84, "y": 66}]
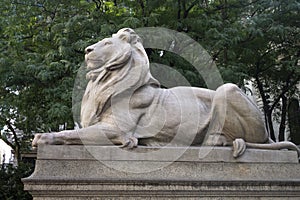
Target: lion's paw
[
  {"x": 130, "y": 143},
  {"x": 45, "y": 138},
  {"x": 239, "y": 147}
]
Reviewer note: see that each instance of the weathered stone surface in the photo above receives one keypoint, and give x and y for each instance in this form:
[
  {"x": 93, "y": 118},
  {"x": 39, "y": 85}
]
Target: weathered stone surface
[
  {"x": 143, "y": 153},
  {"x": 115, "y": 189},
  {"x": 72, "y": 172}
]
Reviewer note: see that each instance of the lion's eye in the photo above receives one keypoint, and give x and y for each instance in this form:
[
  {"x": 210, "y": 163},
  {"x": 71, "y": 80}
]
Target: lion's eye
[{"x": 107, "y": 43}]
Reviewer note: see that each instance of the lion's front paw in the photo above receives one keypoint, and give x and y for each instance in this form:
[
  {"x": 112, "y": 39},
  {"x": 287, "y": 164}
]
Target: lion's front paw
[{"x": 45, "y": 138}]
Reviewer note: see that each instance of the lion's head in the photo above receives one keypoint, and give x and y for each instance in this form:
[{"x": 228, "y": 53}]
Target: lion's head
[{"x": 115, "y": 65}]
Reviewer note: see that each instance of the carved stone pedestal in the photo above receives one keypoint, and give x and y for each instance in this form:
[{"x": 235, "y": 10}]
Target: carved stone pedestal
[{"x": 97, "y": 172}]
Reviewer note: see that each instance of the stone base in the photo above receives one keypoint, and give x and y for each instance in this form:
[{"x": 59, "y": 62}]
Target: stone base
[{"x": 97, "y": 172}]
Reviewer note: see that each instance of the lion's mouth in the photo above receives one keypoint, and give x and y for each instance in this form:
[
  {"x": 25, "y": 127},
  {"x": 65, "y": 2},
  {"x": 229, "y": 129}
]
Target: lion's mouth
[{"x": 93, "y": 63}]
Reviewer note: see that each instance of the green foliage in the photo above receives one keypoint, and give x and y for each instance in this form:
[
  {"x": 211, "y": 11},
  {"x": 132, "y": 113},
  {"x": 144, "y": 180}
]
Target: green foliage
[{"x": 11, "y": 186}]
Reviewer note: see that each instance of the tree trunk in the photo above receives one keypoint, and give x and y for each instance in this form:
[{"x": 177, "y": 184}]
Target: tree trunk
[
  {"x": 283, "y": 118},
  {"x": 179, "y": 10},
  {"x": 17, "y": 143},
  {"x": 294, "y": 120},
  {"x": 270, "y": 125},
  {"x": 267, "y": 109}
]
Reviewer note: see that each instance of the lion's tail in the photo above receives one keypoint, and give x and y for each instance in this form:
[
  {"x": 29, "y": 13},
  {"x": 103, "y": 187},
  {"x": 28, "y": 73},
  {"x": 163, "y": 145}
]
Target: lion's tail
[
  {"x": 239, "y": 146},
  {"x": 275, "y": 146}
]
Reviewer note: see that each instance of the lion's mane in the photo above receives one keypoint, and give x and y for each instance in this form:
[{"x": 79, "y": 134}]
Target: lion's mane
[{"x": 128, "y": 71}]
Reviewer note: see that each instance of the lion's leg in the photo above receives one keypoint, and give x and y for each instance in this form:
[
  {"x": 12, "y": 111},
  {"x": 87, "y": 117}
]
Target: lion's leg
[
  {"x": 105, "y": 134},
  {"x": 100, "y": 134},
  {"x": 233, "y": 116},
  {"x": 48, "y": 138},
  {"x": 63, "y": 137}
]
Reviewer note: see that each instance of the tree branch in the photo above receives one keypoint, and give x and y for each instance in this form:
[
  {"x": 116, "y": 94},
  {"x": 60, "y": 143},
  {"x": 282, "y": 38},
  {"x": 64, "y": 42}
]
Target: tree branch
[
  {"x": 179, "y": 10},
  {"x": 186, "y": 11},
  {"x": 141, "y": 2},
  {"x": 98, "y": 4},
  {"x": 286, "y": 88},
  {"x": 266, "y": 107},
  {"x": 283, "y": 119},
  {"x": 9, "y": 126},
  {"x": 260, "y": 88},
  {"x": 16, "y": 147}
]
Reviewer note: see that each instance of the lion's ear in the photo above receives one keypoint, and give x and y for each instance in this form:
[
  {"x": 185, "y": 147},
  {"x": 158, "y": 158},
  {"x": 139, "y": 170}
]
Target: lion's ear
[{"x": 125, "y": 37}]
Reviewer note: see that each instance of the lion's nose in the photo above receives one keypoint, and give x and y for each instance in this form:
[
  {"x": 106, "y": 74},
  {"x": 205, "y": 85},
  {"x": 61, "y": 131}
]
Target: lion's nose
[{"x": 88, "y": 50}]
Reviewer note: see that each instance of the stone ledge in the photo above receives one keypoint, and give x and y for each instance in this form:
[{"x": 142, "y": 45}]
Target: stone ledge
[
  {"x": 72, "y": 172},
  {"x": 117, "y": 189},
  {"x": 146, "y": 170},
  {"x": 165, "y": 154}
]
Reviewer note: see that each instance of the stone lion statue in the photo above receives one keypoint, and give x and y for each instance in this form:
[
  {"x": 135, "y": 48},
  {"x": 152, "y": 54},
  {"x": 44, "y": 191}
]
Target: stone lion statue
[{"x": 124, "y": 105}]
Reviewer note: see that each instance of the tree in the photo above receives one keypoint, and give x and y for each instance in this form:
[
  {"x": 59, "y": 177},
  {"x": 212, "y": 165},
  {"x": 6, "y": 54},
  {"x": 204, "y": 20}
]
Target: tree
[
  {"x": 42, "y": 47},
  {"x": 11, "y": 186},
  {"x": 270, "y": 53}
]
